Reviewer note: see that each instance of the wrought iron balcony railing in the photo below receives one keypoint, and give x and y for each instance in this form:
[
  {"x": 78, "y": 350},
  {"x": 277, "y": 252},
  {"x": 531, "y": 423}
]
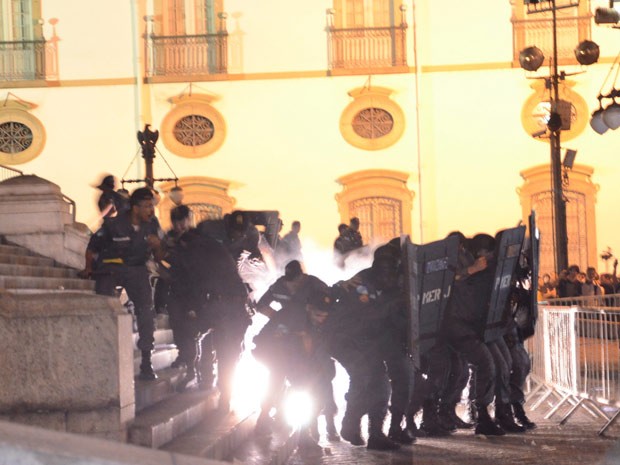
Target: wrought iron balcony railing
[
  {"x": 27, "y": 60},
  {"x": 539, "y": 32},
  {"x": 368, "y": 47},
  {"x": 184, "y": 55}
]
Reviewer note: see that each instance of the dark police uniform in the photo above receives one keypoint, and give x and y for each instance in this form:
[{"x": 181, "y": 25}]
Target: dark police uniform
[
  {"x": 122, "y": 252},
  {"x": 205, "y": 281},
  {"x": 293, "y": 293},
  {"x": 359, "y": 333}
]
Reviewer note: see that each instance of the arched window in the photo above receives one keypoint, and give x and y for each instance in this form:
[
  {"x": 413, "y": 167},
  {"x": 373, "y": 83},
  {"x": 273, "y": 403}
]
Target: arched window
[
  {"x": 208, "y": 198},
  {"x": 381, "y": 201},
  {"x": 580, "y": 193}
]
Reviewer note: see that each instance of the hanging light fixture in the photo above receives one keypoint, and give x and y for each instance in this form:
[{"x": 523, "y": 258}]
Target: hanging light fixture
[
  {"x": 596, "y": 121},
  {"x": 608, "y": 117},
  {"x": 176, "y": 195},
  {"x": 611, "y": 115}
]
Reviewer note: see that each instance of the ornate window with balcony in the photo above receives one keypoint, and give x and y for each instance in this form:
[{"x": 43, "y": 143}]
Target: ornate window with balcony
[
  {"x": 188, "y": 38},
  {"x": 366, "y": 34},
  {"x": 382, "y": 202},
  {"x": 573, "y": 27},
  {"x": 24, "y": 53}
]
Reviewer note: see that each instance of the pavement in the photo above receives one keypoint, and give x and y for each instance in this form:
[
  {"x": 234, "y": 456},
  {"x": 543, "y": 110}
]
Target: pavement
[{"x": 575, "y": 443}]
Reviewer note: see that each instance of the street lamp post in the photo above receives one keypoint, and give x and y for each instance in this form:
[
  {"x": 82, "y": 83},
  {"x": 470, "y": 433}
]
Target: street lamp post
[
  {"x": 531, "y": 59},
  {"x": 148, "y": 140},
  {"x": 555, "y": 126}
]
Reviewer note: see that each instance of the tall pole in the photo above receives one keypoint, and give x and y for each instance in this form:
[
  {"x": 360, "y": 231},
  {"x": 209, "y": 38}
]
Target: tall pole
[{"x": 555, "y": 126}]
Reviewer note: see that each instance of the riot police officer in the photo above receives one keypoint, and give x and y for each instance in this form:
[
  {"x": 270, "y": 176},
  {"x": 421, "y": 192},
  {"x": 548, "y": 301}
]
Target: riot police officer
[
  {"x": 122, "y": 247},
  {"x": 358, "y": 341}
]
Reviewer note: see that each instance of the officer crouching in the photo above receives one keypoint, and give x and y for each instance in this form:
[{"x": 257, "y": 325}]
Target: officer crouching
[{"x": 293, "y": 346}]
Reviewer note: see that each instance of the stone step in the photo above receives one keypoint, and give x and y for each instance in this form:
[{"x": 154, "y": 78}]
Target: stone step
[
  {"x": 7, "y": 269},
  {"x": 149, "y": 393},
  {"x": 34, "y": 282},
  {"x": 50, "y": 291},
  {"x": 16, "y": 250},
  {"x": 216, "y": 437},
  {"x": 26, "y": 260},
  {"x": 161, "y": 358},
  {"x": 161, "y": 423},
  {"x": 162, "y": 337}
]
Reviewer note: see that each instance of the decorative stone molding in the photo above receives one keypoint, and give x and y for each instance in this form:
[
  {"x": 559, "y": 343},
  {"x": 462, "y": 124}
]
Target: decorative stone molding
[
  {"x": 193, "y": 128},
  {"x": 22, "y": 135},
  {"x": 197, "y": 191},
  {"x": 372, "y": 121}
]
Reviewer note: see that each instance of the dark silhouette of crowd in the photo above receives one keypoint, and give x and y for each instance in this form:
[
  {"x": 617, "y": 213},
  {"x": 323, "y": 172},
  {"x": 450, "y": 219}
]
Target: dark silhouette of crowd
[
  {"x": 573, "y": 282},
  {"x": 362, "y": 322}
]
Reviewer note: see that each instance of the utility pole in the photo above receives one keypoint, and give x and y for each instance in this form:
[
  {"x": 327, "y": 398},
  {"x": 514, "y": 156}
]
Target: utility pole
[{"x": 555, "y": 126}]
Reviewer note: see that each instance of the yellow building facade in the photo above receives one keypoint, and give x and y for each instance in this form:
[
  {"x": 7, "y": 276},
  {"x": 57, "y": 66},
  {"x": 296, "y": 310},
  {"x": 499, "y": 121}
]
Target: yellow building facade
[{"x": 412, "y": 115}]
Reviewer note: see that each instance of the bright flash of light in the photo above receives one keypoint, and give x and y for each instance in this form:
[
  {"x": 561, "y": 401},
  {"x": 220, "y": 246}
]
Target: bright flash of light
[
  {"x": 250, "y": 384},
  {"x": 297, "y": 408}
]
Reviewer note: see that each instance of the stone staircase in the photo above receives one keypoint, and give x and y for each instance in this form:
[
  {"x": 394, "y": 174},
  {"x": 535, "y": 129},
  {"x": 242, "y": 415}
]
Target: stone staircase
[
  {"x": 164, "y": 418},
  {"x": 23, "y": 271}
]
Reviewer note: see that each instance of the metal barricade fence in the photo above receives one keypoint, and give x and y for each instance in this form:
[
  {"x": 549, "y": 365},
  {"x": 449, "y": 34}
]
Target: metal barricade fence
[
  {"x": 591, "y": 301},
  {"x": 576, "y": 358}
]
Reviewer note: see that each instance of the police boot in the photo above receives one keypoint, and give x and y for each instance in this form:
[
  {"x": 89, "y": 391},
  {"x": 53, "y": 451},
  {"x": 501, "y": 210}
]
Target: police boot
[
  {"x": 412, "y": 427},
  {"x": 330, "y": 427},
  {"x": 190, "y": 375},
  {"x": 485, "y": 424},
  {"x": 504, "y": 418},
  {"x": 307, "y": 442},
  {"x": 444, "y": 418},
  {"x": 520, "y": 415},
  {"x": 471, "y": 412},
  {"x": 146, "y": 369},
  {"x": 264, "y": 423},
  {"x": 377, "y": 440},
  {"x": 430, "y": 421},
  {"x": 397, "y": 433},
  {"x": 351, "y": 430},
  {"x": 448, "y": 412}
]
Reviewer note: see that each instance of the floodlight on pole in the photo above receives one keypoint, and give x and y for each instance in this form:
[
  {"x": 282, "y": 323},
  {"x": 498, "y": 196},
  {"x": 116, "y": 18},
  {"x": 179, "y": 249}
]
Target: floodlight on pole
[
  {"x": 530, "y": 59},
  {"x": 608, "y": 117}
]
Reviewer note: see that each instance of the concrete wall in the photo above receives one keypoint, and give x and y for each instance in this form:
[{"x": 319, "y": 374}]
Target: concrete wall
[{"x": 67, "y": 363}]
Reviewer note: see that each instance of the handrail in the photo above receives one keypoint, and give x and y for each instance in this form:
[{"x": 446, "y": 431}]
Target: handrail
[
  {"x": 4, "y": 168},
  {"x": 71, "y": 202}
]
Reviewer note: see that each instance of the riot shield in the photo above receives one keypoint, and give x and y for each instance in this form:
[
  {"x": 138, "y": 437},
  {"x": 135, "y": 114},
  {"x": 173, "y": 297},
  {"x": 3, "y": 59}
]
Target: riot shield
[
  {"x": 507, "y": 252},
  {"x": 534, "y": 259},
  {"x": 429, "y": 274}
]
